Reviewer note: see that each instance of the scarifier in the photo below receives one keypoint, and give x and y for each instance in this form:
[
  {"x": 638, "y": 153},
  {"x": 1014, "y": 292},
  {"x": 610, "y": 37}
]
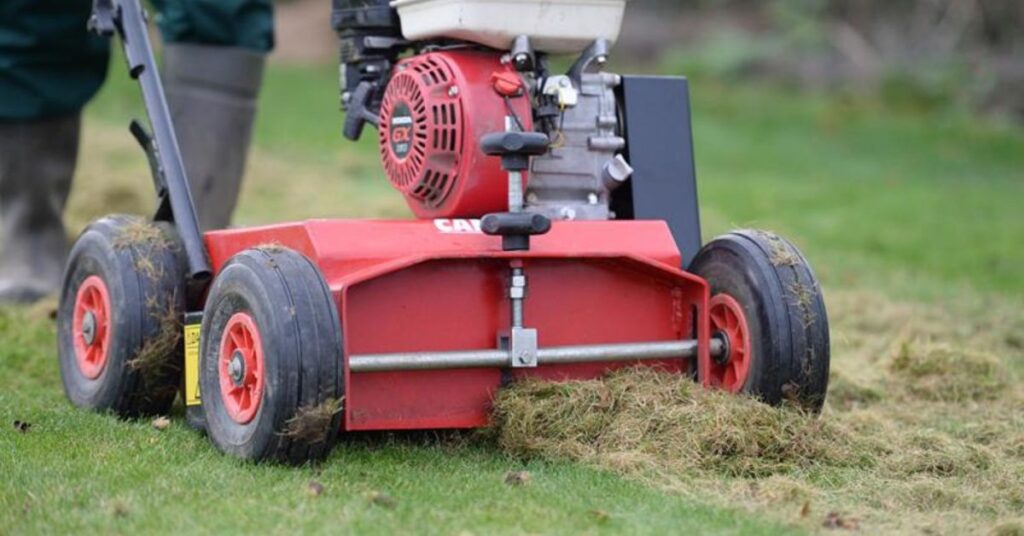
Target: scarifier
[{"x": 556, "y": 236}]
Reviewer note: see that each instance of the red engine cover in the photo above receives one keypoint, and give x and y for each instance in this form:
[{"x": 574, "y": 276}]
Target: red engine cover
[{"x": 435, "y": 109}]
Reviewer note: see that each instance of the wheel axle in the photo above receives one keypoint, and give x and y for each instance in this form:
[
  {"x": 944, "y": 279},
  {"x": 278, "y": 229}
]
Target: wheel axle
[
  {"x": 722, "y": 357},
  {"x": 89, "y": 328},
  {"x": 236, "y": 368}
]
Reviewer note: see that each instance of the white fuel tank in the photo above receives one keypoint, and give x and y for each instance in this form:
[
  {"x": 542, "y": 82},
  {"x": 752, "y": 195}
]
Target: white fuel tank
[{"x": 554, "y": 26}]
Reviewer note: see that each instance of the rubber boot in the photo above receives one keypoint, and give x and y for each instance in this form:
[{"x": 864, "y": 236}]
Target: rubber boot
[
  {"x": 37, "y": 162},
  {"x": 211, "y": 92}
]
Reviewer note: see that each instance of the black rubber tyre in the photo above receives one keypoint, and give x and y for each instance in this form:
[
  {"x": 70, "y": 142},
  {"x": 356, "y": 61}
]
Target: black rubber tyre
[
  {"x": 785, "y": 318},
  {"x": 131, "y": 366},
  {"x": 278, "y": 305}
]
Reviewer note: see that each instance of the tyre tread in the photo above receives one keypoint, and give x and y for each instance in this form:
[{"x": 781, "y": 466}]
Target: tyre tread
[
  {"x": 144, "y": 297},
  {"x": 312, "y": 330},
  {"x": 791, "y": 311}
]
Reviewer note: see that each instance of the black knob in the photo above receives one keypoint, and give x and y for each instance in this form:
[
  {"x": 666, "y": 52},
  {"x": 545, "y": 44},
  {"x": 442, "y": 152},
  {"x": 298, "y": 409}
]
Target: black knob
[
  {"x": 515, "y": 148},
  {"x": 515, "y": 228}
]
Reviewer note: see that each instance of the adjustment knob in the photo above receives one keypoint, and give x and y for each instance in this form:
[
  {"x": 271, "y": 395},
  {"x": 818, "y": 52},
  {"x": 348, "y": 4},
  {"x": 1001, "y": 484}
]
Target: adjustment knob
[
  {"x": 515, "y": 228},
  {"x": 515, "y": 148}
]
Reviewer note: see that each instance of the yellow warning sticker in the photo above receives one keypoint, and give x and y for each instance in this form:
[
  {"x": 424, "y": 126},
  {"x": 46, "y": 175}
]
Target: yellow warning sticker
[{"x": 192, "y": 365}]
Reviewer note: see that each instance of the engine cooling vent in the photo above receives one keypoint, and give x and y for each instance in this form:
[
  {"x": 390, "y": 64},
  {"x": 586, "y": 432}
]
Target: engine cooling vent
[{"x": 421, "y": 129}]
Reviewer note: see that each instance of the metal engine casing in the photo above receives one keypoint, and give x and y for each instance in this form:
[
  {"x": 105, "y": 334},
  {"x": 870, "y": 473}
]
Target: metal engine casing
[
  {"x": 575, "y": 179},
  {"x": 435, "y": 109}
]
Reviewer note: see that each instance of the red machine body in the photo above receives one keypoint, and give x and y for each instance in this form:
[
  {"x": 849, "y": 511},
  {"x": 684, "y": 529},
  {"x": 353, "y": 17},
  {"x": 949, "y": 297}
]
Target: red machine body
[
  {"x": 403, "y": 286},
  {"x": 435, "y": 108}
]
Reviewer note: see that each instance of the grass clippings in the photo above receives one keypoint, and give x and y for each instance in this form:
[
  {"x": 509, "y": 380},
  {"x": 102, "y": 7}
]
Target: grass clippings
[
  {"x": 517, "y": 478},
  {"x": 835, "y": 520},
  {"x": 271, "y": 247},
  {"x": 153, "y": 358},
  {"x": 1010, "y": 528},
  {"x": 379, "y": 498},
  {"x": 946, "y": 373},
  {"x": 919, "y": 433},
  {"x": 847, "y": 393},
  {"x": 780, "y": 254},
  {"x": 311, "y": 424},
  {"x": 140, "y": 233},
  {"x": 646, "y": 419},
  {"x": 119, "y": 508},
  {"x": 314, "y": 488},
  {"x": 161, "y": 423},
  {"x": 147, "y": 243}
]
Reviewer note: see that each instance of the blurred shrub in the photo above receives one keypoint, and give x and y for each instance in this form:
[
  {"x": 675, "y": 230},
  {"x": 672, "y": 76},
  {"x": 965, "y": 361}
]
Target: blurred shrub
[{"x": 919, "y": 54}]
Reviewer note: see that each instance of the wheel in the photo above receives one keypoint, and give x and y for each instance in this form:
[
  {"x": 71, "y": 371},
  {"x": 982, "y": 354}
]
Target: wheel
[
  {"x": 119, "y": 317},
  {"x": 767, "y": 308},
  {"x": 271, "y": 359}
]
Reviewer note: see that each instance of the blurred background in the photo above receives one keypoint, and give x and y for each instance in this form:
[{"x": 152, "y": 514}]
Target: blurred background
[{"x": 915, "y": 53}]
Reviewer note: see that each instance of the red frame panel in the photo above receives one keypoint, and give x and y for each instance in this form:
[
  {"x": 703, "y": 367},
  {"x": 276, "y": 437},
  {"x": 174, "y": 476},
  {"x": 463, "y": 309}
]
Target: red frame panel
[{"x": 440, "y": 285}]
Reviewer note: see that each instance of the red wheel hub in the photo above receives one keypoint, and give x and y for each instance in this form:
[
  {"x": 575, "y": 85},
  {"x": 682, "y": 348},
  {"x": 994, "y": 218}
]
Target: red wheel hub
[
  {"x": 728, "y": 319},
  {"x": 241, "y": 366},
  {"x": 91, "y": 327}
]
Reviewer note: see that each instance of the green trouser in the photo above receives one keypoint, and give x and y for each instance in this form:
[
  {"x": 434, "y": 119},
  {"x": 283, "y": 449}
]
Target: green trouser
[{"x": 50, "y": 65}]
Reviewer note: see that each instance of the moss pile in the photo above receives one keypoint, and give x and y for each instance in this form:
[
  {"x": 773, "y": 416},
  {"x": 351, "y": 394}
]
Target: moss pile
[{"x": 922, "y": 431}]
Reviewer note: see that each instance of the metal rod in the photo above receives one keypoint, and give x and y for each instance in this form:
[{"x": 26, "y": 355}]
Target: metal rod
[
  {"x": 427, "y": 361},
  {"x": 517, "y": 292},
  {"x": 142, "y": 66},
  {"x": 517, "y": 312},
  {"x": 556, "y": 355},
  {"x": 515, "y": 191}
]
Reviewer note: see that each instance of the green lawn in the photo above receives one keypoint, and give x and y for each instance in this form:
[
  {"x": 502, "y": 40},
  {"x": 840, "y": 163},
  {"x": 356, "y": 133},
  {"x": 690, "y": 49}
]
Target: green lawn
[
  {"x": 870, "y": 192},
  {"x": 921, "y": 207},
  {"x": 80, "y": 472}
]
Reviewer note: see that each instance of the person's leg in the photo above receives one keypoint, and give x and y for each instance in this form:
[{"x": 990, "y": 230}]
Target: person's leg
[
  {"x": 50, "y": 66},
  {"x": 37, "y": 161},
  {"x": 214, "y": 52}
]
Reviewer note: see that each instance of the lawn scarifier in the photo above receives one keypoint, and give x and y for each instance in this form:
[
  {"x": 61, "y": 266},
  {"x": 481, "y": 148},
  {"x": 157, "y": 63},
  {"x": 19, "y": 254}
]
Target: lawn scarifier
[{"x": 557, "y": 238}]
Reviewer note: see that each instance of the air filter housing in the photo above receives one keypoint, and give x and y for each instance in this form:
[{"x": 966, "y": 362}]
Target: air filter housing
[{"x": 435, "y": 109}]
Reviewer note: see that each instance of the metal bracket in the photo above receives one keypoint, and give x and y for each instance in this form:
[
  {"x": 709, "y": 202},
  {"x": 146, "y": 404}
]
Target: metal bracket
[
  {"x": 521, "y": 341},
  {"x": 145, "y": 139},
  {"x": 597, "y": 52},
  {"x": 522, "y": 53},
  {"x": 104, "y": 18},
  {"x": 523, "y": 347}
]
